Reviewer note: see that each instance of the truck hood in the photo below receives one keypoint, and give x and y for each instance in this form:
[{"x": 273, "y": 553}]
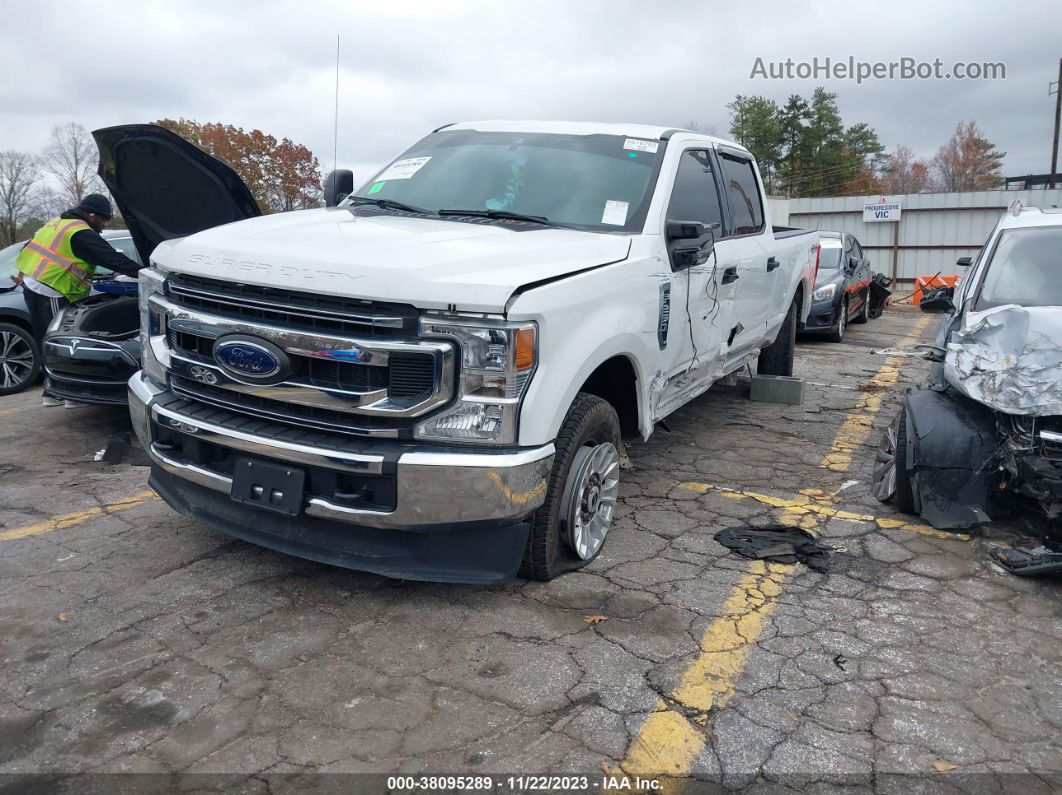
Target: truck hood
[
  {"x": 1010, "y": 359},
  {"x": 430, "y": 263},
  {"x": 165, "y": 187}
]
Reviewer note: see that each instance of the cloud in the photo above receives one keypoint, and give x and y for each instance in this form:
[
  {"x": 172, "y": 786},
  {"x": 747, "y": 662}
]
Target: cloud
[{"x": 407, "y": 67}]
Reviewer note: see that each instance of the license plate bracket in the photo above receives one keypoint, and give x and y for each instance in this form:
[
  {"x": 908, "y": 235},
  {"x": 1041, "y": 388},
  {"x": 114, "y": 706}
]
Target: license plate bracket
[{"x": 273, "y": 487}]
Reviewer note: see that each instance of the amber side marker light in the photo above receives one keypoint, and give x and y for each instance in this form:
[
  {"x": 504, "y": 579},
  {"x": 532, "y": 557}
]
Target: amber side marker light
[{"x": 525, "y": 348}]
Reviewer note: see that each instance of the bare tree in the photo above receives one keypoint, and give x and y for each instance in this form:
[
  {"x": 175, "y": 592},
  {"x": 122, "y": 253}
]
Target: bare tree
[
  {"x": 905, "y": 173},
  {"x": 700, "y": 127},
  {"x": 969, "y": 161},
  {"x": 71, "y": 157},
  {"x": 19, "y": 174}
]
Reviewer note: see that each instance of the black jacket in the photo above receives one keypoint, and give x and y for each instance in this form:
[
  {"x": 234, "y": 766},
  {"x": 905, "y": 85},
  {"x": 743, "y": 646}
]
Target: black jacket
[{"x": 89, "y": 245}]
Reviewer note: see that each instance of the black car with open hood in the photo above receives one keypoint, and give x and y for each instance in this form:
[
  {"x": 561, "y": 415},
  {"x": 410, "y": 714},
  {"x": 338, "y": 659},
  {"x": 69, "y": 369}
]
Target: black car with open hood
[{"x": 165, "y": 188}]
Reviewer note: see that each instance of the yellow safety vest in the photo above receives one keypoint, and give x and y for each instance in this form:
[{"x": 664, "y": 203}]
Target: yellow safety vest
[{"x": 49, "y": 259}]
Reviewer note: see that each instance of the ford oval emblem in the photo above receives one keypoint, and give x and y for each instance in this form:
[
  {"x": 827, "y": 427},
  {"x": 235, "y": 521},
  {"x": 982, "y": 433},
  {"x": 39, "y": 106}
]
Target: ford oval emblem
[{"x": 251, "y": 359}]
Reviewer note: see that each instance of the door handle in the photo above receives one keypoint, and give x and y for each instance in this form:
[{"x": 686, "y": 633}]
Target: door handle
[
  {"x": 730, "y": 275},
  {"x": 772, "y": 264}
]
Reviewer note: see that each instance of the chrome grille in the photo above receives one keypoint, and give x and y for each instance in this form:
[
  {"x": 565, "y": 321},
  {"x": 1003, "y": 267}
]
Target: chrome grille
[
  {"x": 378, "y": 378},
  {"x": 291, "y": 308}
]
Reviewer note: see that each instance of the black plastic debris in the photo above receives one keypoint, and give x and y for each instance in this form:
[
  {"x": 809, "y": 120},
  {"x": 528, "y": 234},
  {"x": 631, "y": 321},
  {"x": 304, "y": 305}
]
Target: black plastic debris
[
  {"x": 1025, "y": 562},
  {"x": 937, "y": 299},
  {"x": 777, "y": 543},
  {"x": 879, "y": 294},
  {"x": 124, "y": 447}
]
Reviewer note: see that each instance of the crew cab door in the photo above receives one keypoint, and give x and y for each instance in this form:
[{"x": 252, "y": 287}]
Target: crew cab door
[
  {"x": 165, "y": 187},
  {"x": 701, "y": 298},
  {"x": 749, "y": 246}
]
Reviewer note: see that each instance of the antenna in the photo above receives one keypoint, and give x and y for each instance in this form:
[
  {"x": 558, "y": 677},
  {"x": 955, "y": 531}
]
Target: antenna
[{"x": 335, "y": 129}]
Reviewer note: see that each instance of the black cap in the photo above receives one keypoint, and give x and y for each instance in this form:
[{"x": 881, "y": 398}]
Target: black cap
[{"x": 95, "y": 203}]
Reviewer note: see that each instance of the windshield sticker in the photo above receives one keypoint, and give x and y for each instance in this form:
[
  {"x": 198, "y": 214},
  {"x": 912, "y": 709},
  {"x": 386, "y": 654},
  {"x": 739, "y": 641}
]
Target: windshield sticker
[
  {"x": 615, "y": 213},
  {"x": 376, "y": 187},
  {"x": 641, "y": 146},
  {"x": 403, "y": 169}
]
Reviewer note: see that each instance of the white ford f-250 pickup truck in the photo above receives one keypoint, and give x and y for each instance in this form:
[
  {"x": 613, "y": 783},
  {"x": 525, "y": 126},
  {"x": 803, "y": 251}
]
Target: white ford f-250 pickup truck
[{"x": 430, "y": 380}]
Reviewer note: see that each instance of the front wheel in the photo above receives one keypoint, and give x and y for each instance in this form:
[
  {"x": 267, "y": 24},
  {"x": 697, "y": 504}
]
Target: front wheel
[
  {"x": 837, "y": 332},
  {"x": 568, "y": 531},
  {"x": 20, "y": 359}
]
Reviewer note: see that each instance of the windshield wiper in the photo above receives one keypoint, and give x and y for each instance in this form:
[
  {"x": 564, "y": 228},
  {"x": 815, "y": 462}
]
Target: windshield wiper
[
  {"x": 501, "y": 214},
  {"x": 388, "y": 204}
]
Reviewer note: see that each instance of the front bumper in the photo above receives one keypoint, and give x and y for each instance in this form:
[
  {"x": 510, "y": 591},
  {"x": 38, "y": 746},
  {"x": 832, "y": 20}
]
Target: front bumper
[
  {"x": 420, "y": 491},
  {"x": 823, "y": 316},
  {"x": 89, "y": 370}
]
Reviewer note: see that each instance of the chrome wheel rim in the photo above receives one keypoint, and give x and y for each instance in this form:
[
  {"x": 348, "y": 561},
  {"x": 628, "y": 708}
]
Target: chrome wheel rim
[
  {"x": 885, "y": 466},
  {"x": 842, "y": 320},
  {"x": 590, "y": 497},
  {"x": 16, "y": 360}
]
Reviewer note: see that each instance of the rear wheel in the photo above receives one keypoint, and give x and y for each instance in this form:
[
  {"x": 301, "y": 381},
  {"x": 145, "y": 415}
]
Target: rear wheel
[
  {"x": 777, "y": 358},
  {"x": 569, "y": 529},
  {"x": 837, "y": 333},
  {"x": 20, "y": 360}
]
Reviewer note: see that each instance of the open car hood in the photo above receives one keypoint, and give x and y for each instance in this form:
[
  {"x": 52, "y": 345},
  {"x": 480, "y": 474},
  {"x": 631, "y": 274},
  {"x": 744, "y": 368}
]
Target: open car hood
[
  {"x": 1010, "y": 359},
  {"x": 165, "y": 187}
]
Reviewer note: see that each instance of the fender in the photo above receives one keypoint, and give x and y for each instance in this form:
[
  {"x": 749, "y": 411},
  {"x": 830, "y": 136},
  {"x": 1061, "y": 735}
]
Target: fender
[
  {"x": 951, "y": 455},
  {"x": 577, "y": 335}
]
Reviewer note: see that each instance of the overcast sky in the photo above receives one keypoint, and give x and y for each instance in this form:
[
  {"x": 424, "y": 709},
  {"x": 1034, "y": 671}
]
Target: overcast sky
[{"x": 407, "y": 67}]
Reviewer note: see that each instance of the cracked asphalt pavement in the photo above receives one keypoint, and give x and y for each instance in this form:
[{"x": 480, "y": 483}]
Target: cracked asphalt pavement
[{"x": 135, "y": 641}]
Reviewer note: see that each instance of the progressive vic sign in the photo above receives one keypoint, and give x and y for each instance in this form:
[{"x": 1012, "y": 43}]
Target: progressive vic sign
[{"x": 883, "y": 209}]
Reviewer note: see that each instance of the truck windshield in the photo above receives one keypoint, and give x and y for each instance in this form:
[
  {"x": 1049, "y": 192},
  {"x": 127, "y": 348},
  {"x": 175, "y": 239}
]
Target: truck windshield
[
  {"x": 1025, "y": 269},
  {"x": 599, "y": 182}
]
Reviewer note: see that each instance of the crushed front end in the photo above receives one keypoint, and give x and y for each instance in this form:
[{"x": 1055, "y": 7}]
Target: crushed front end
[{"x": 1031, "y": 458}]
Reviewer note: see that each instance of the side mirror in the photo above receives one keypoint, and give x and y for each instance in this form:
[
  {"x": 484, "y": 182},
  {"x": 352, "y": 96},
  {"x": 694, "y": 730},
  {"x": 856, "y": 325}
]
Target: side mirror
[
  {"x": 684, "y": 230},
  {"x": 698, "y": 251},
  {"x": 338, "y": 185},
  {"x": 964, "y": 262}
]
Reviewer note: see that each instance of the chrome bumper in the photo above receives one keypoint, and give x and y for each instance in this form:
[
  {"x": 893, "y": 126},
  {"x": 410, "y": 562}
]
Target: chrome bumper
[{"x": 433, "y": 487}]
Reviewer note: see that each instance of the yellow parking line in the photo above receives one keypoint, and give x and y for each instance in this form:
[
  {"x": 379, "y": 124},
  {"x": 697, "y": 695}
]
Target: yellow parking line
[
  {"x": 78, "y": 517},
  {"x": 795, "y": 510},
  {"x": 668, "y": 743},
  {"x": 671, "y": 737},
  {"x": 859, "y": 423},
  {"x": 12, "y": 410}
]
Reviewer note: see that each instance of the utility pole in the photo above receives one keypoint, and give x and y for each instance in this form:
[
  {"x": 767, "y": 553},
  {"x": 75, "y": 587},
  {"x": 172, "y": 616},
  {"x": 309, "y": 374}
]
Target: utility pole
[{"x": 1057, "y": 91}]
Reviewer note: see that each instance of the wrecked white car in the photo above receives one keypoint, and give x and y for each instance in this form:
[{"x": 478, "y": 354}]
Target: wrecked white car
[{"x": 988, "y": 424}]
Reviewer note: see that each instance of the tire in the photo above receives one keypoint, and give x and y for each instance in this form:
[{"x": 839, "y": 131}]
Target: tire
[
  {"x": 777, "y": 358},
  {"x": 864, "y": 311},
  {"x": 837, "y": 332},
  {"x": 591, "y": 425},
  {"x": 905, "y": 500},
  {"x": 20, "y": 359}
]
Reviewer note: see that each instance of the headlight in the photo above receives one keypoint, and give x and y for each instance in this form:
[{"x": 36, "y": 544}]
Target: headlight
[
  {"x": 825, "y": 293},
  {"x": 497, "y": 360},
  {"x": 152, "y": 325}
]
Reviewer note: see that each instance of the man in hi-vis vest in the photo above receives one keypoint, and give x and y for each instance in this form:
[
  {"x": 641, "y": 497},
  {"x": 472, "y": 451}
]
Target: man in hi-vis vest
[{"x": 58, "y": 262}]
